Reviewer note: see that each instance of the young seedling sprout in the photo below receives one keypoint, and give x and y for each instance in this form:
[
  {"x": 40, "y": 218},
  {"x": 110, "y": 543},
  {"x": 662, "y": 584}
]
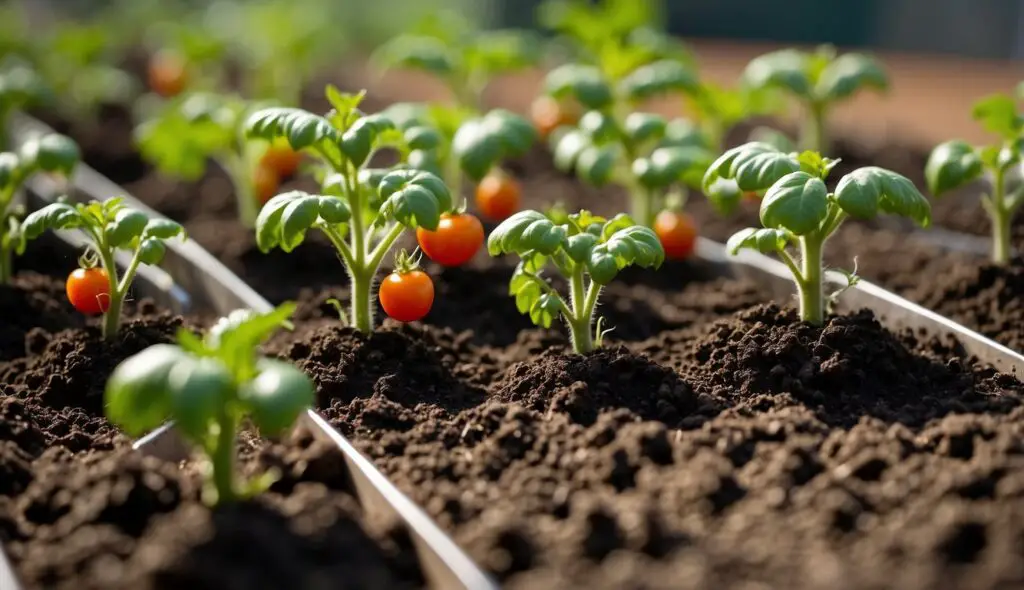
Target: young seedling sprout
[
  {"x": 818, "y": 80},
  {"x": 955, "y": 163},
  {"x": 799, "y": 208},
  {"x": 190, "y": 131},
  {"x": 209, "y": 386},
  {"x": 47, "y": 153},
  {"x": 110, "y": 226},
  {"x": 362, "y": 210},
  {"x": 465, "y": 60},
  {"x": 587, "y": 250}
]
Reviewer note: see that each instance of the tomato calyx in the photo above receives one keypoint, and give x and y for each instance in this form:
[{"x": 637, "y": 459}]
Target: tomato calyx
[{"x": 406, "y": 263}]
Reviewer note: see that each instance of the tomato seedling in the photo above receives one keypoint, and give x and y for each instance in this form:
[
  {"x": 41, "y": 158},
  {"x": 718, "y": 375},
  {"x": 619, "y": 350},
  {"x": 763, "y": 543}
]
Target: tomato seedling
[
  {"x": 818, "y": 80},
  {"x": 51, "y": 153},
  {"x": 194, "y": 129},
  {"x": 465, "y": 60},
  {"x": 110, "y": 226},
  {"x": 209, "y": 386},
  {"x": 457, "y": 238},
  {"x": 407, "y": 293},
  {"x": 799, "y": 208},
  {"x": 955, "y": 163},
  {"x": 362, "y": 210},
  {"x": 587, "y": 250}
]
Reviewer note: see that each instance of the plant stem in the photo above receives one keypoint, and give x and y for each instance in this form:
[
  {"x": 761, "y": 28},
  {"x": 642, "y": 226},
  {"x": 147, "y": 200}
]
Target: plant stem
[
  {"x": 812, "y": 305},
  {"x": 362, "y": 306},
  {"x": 812, "y": 134},
  {"x": 222, "y": 460},
  {"x": 581, "y": 313},
  {"x": 111, "y": 317},
  {"x": 1001, "y": 218},
  {"x": 245, "y": 191}
]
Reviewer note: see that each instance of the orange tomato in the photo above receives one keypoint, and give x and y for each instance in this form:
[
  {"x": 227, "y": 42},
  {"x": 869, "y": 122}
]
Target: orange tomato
[
  {"x": 166, "y": 74},
  {"x": 88, "y": 290},
  {"x": 677, "y": 233},
  {"x": 281, "y": 158},
  {"x": 497, "y": 196},
  {"x": 407, "y": 296},
  {"x": 457, "y": 238},
  {"x": 751, "y": 197},
  {"x": 265, "y": 183},
  {"x": 548, "y": 114}
]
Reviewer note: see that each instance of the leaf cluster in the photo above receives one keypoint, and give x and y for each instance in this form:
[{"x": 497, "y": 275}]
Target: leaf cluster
[{"x": 820, "y": 77}]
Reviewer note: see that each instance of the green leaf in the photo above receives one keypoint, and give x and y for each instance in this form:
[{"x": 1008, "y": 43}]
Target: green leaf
[
  {"x": 526, "y": 232},
  {"x": 950, "y": 165},
  {"x": 137, "y": 395},
  {"x": 584, "y": 83},
  {"x": 998, "y": 114},
  {"x": 357, "y": 142},
  {"x": 847, "y": 74},
  {"x": 754, "y": 166},
  {"x": 163, "y": 229},
  {"x": 683, "y": 133},
  {"x": 671, "y": 165},
  {"x": 302, "y": 129},
  {"x": 426, "y": 161},
  {"x": 633, "y": 245},
  {"x": 798, "y": 202},
  {"x": 246, "y": 329},
  {"x": 284, "y": 219},
  {"x": 866, "y": 191},
  {"x": 421, "y": 137},
  {"x": 641, "y": 127},
  {"x": 498, "y": 52},
  {"x": 579, "y": 246},
  {"x": 595, "y": 165},
  {"x": 127, "y": 225},
  {"x": 152, "y": 251},
  {"x": 51, "y": 153},
  {"x": 545, "y": 309},
  {"x": 568, "y": 148},
  {"x": 198, "y": 388},
  {"x": 724, "y": 195},
  {"x": 277, "y": 396},
  {"x": 660, "y": 77},
  {"x": 481, "y": 143},
  {"x": 414, "y": 198},
  {"x": 764, "y": 240},
  {"x": 599, "y": 126},
  {"x": 54, "y": 216},
  {"x": 786, "y": 68},
  {"x": 418, "y": 53}
]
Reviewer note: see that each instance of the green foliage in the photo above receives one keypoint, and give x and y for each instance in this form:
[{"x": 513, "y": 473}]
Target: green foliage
[
  {"x": 584, "y": 247},
  {"x": 480, "y": 144},
  {"x": 208, "y": 387},
  {"x": 110, "y": 226},
  {"x": 20, "y": 86}
]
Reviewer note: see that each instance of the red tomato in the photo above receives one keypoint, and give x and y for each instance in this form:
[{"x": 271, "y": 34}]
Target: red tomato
[
  {"x": 497, "y": 196},
  {"x": 677, "y": 232},
  {"x": 166, "y": 74},
  {"x": 548, "y": 114},
  {"x": 407, "y": 296},
  {"x": 455, "y": 241},
  {"x": 265, "y": 182},
  {"x": 281, "y": 158},
  {"x": 88, "y": 290}
]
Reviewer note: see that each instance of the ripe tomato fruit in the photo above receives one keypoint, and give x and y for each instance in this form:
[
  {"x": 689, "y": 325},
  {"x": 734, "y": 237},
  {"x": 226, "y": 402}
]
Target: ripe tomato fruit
[
  {"x": 677, "y": 233},
  {"x": 281, "y": 158},
  {"x": 88, "y": 290},
  {"x": 166, "y": 74},
  {"x": 407, "y": 296},
  {"x": 548, "y": 114},
  {"x": 497, "y": 196},
  {"x": 456, "y": 240},
  {"x": 265, "y": 182}
]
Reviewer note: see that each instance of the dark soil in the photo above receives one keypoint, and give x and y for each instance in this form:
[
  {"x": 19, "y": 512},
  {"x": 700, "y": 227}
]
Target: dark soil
[{"x": 113, "y": 519}]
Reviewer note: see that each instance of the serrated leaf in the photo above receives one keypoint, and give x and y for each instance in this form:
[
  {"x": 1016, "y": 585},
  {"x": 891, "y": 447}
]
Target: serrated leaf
[
  {"x": 786, "y": 68},
  {"x": 633, "y": 245},
  {"x": 798, "y": 202},
  {"x": 359, "y": 139},
  {"x": 950, "y": 165},
  {"x": 754, "y": 166},
  {"x": 764, "y": 240},
  {"x": 671, "y": 165},
  {"x": 545, "y": 309},
  {"x": 658, "y": 78},
  {"x": 414, "y": 198},
  {"x": 54, "y": 216},
  {"x": 847, "y": 74},
  {"x": 284, "y": 219},
  {"x": 301, "y": 128},
  {"x": 866, "y": 191},
  {"x": 526, "y": 232},
  {"x": 584, "y": 83}
]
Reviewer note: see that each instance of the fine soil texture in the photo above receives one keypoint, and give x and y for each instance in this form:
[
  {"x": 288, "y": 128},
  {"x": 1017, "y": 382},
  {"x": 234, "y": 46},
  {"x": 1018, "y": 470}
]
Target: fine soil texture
[{"x": 113, "y": 519}]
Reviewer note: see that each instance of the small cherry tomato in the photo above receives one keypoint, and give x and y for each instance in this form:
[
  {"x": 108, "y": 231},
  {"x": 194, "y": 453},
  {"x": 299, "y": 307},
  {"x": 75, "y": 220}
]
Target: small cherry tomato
[
  {"x": 497, "y": 196},
  {"x": 407, "y": 296},
  {"x": 677, "y": 233},
  {"x": 751, "y": 197},
  {"x": 548, "y": 114},
  {"x": 456, "y": 239},
  {"x": 281, "y": 158},
  {"x": 265, "y": 182},
  {"x": 88, "y": 290},
  {"x": 166, "y": 74}
]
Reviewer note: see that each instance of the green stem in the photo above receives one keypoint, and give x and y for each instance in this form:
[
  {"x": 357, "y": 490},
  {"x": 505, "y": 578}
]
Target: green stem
[
  {"x": 579, "y": 322},
  {"x": 1001, "y": 218},
  {"x": 812, "y": 134},
  {"x": 245, "y": 190},
  {"x": 222, "y": 460},
  {"x": 112, "y": 317},
  {"x": 812, "y": 304}
]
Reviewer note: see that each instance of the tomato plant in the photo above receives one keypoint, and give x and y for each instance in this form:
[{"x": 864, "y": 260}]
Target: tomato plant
[
  {"x": 407, "y": 293},
  {"x": 88, "y": 290},
  {"x": 457, "y": 238},
  {"x": 677, "y": 232},
  {"x": 210, "y": 386},
  {"x": 498, "y": 196},
  {"x": 110, "y": 226}
]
